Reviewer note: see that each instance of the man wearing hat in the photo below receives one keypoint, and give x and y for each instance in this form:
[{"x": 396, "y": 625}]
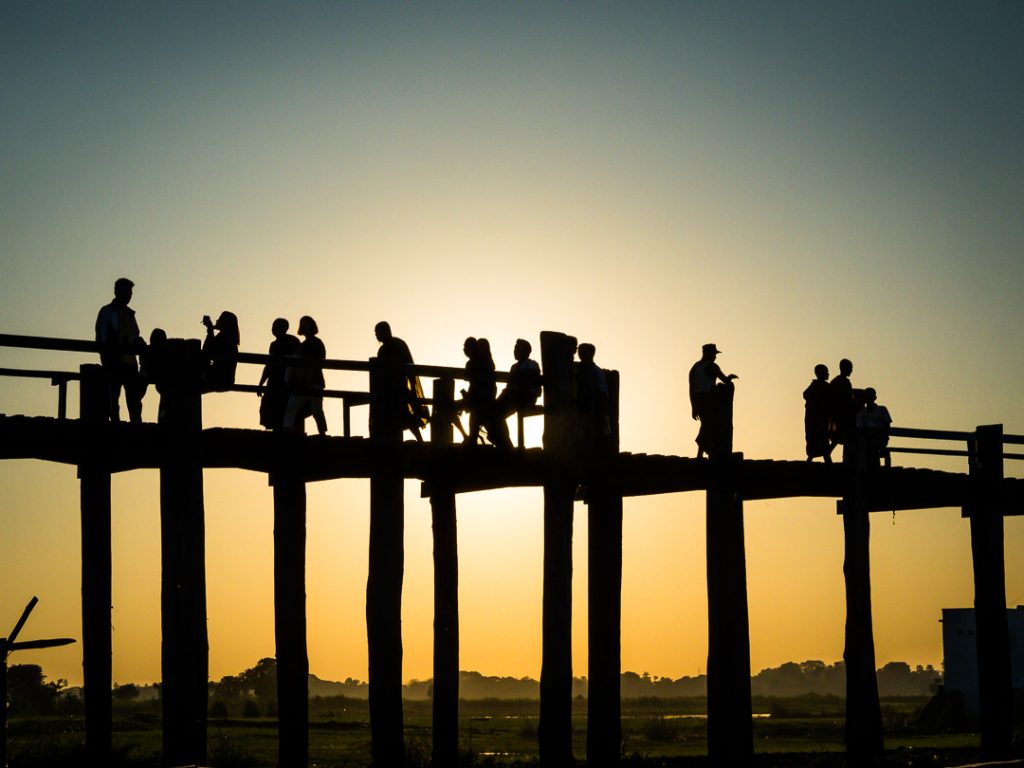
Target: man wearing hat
[{"x": 703, "y": 376}]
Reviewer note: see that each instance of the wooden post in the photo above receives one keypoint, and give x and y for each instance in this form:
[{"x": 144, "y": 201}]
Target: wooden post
[
  {"x": 94, "y": 482},
  {"x": 386, "y": 569},
  {"x": 290, "y": 616},
  {"x": 555, "y": 729},
  {"x": 604, "y": 596},
  {"x": 185, "y": 650},
  {"x": 730, "y": 722},
  {"x": 445, "y": 751},
  {"x": 993, "y": 643},
  {"x": 864, "y": 733}
]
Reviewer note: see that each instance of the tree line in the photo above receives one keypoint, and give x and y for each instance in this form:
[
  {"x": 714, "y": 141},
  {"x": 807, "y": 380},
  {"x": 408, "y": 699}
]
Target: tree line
[{"x": 253, "y": 692}]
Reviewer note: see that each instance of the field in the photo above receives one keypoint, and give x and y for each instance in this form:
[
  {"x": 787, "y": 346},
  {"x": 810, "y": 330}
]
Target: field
[{"x": 787, "y": 732}]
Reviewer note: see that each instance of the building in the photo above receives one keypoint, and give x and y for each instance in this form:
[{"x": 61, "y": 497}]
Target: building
[{"x": 960, "y": 655}]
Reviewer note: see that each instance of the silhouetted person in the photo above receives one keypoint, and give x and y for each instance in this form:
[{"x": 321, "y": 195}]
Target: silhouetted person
[
  {"x": 272, "y": 388},
  {"x": 872, "y": 423},
  {"x": 817, "y": 412},
  {"x": 523, "y": 386},
  {"x": 704, "y": 375},
  {"x": 591, "y": 397},
  {"x": 401, "y": 394},
  {"x": 844, "y": 404},
  {"x": 220, "y": 352},
  {"x": 151, "y": 362},
  {"x": 306, "y": 382},
  {"x": 479, "y": 400},
  {"x": 118, "y": 334}
]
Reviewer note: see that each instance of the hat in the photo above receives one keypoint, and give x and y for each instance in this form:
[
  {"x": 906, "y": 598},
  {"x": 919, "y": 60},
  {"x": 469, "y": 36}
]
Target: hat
[{"x": 710, "y": 349}]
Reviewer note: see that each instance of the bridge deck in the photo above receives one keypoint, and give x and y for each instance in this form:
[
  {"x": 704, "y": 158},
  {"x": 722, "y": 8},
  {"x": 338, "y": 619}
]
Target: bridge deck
[{"x": 140, "y": 446}]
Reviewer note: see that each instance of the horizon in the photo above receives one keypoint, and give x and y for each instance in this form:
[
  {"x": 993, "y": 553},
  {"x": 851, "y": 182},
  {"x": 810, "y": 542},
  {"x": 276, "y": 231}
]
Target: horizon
[{"x": 796, "y": 184}]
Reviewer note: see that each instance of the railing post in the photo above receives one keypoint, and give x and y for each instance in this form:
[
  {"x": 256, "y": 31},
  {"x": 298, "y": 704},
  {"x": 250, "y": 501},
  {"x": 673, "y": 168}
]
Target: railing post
[
  {"x": 864, "y": 734},
  {"x": 185, "y": 649},
  {"x": 290, "y": 615},
  {"x": 987, "y": 551},
  {"x": 730, "y": 726},
  {"x": 555, "y": 729},
  {"x": 62, "y": 397},
  {"x": 445, "y": 750},
  {"x": 386, "y": 569},
  {"x": 94, "y": 477},
  {"x": 604, "y": 595}
]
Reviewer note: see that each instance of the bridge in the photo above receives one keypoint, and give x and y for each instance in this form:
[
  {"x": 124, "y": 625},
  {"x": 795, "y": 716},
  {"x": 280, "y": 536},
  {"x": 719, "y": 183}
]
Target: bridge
[{"x": 569, "y": 464}]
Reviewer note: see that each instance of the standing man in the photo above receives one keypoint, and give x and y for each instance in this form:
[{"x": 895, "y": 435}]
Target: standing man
[
  {"x": 845, "y": 404},
  {"x": 704, "y": 374},
  {"x": 403, "y": 397},
  {"x": 118, "y": 334}
]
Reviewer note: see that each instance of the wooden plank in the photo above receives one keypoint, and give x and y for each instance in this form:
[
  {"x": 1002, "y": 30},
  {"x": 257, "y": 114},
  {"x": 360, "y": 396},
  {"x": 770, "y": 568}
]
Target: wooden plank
[
  {"x": 94, "y": 485},
  {"x": 987, "y": 551},
  {"x": 184, "y": 649},
  {"x": 555, "y": 727},
  {"x": 445, "y": 746}
]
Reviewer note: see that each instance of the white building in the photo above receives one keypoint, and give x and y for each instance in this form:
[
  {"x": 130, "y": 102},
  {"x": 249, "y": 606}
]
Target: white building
[{"x": 959, "y": 649}]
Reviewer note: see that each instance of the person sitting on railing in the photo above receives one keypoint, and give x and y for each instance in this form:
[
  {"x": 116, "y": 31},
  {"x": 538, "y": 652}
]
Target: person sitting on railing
[
  {"x": 523, "y": 386},
  {"x": 220, "y": 352},
  {"x": 117, "y": 332},
  {"x": 873, "y": 422},
  {"x": 402, "y": 397},
  {"x": 273, "y": 391},
  {"x": 591, "y": 398},
  {"x": 306, "y": 382}
]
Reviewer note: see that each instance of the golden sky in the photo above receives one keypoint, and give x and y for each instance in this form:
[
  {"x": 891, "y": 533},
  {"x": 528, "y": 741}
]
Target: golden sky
[{"x": 796, "y": 183}]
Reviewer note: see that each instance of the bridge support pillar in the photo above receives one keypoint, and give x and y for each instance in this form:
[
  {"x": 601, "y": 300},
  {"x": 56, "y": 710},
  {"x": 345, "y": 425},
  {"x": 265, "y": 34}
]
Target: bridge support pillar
[
  {"x": 94, "y": 477},
  {"x": 185, "y": 649},
  {"x": 445, "y": 749},
  {"x": 730, "y": 725},
  {"x": 604, "y": 596},
  {"x": 864, "y": 733},
  {"x": 290, "y": 616},
  {"x": 555, "y": 728},
  {"x": 987, "y": 550},
  {"x": 386, "y": 571}
]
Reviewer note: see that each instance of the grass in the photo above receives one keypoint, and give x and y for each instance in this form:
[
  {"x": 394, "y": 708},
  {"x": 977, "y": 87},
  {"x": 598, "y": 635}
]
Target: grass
[{"x": 808, "y": 734}]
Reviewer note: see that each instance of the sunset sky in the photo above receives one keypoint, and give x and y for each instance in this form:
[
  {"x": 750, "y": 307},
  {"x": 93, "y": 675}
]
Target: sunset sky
[{"x": 796, "y": 182}]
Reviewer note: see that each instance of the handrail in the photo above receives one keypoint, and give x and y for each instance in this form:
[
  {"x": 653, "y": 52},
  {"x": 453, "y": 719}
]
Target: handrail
[
  {"x": 254, "y": 358},
  {"x": 54, "y": 376},
  {"x": 931, "y": 434}
]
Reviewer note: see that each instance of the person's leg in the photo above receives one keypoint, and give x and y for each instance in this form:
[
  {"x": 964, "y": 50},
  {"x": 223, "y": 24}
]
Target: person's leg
[
  {"x": 134, "y": 389},
  {"x": 291, "y": 412},
  {"x": 316, "y": 403},
  {"x": 114, "y": 394}
]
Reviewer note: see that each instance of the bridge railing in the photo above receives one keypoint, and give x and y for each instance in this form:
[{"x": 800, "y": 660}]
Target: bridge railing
[
  {"x": 349, "y": 398},
  {"x": 968, "y": 438}
]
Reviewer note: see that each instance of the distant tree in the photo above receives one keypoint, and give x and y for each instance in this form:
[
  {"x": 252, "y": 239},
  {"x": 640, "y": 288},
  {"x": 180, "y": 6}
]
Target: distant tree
[
  {"x": 28, "y": 693},
  {"x": 251, "y": 708},
  {"x": 126, "y": 692},
  {"x": 261, "y": 680}
]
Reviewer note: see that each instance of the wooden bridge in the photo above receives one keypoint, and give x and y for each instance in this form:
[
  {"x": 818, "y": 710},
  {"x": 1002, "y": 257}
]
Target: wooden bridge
[{"x": 181, "y": 448}]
